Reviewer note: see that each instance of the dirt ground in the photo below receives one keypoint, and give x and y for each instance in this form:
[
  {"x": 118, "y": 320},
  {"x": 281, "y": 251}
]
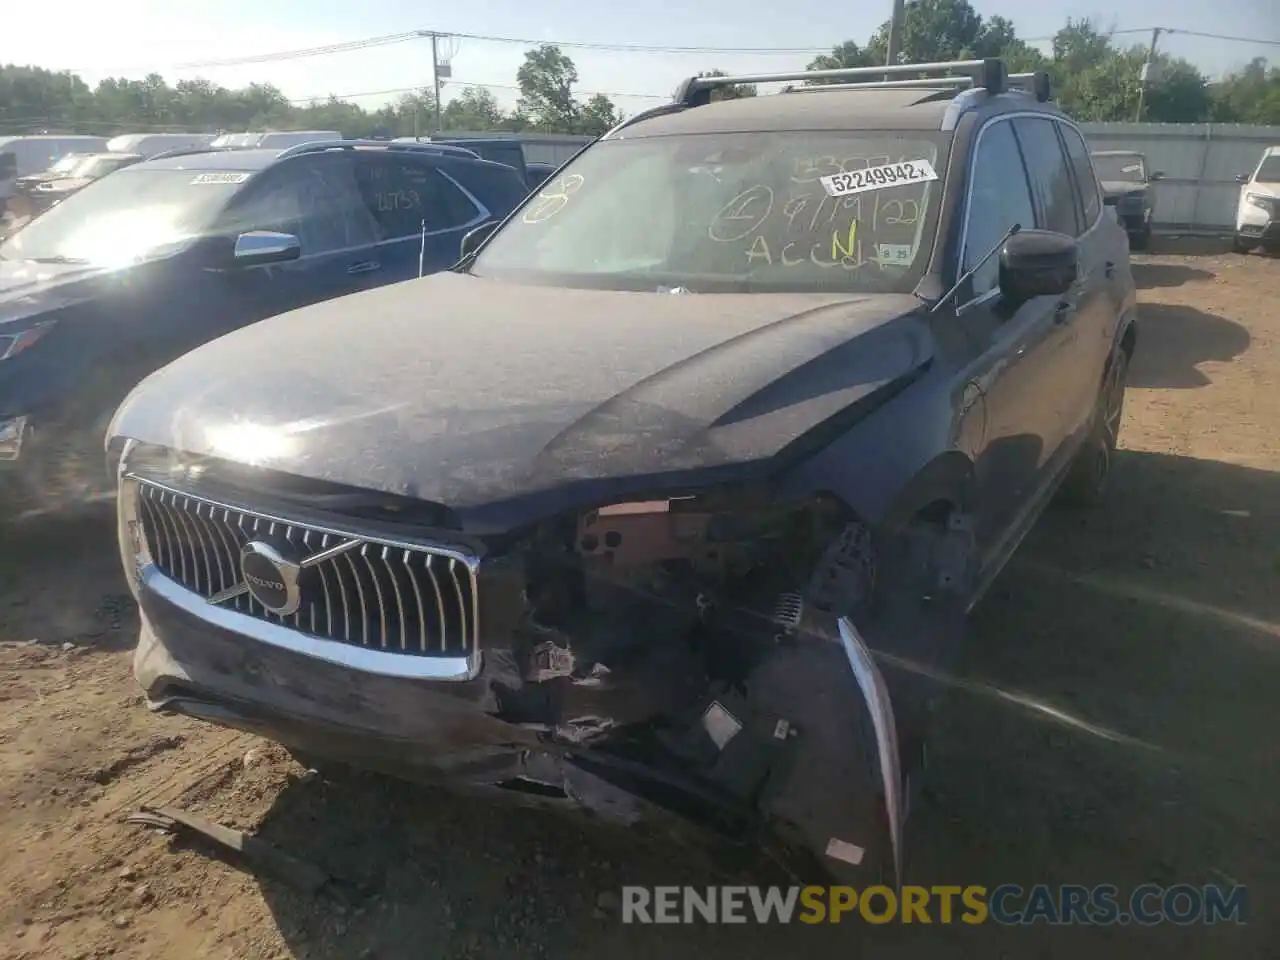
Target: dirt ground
[{"x": 1115, "y": 722}]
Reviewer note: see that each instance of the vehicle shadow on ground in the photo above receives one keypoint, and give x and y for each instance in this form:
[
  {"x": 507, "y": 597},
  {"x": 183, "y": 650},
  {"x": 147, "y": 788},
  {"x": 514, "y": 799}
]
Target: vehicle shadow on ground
[
  {"x": 53, "y": 572},
  {"x": 1173, "y": 340},
  {"x": 1112, "y": 721},
  {"x": 1148, "y": 275}
]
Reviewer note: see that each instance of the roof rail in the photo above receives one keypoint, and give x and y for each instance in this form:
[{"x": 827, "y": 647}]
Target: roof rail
[
  {"x": 647, "y": 114},
  {"x": 186, "y": 152},
  {"x": 320, "y": 146},
  {"x": 1036, "y": 83},
  {"x": 989, "y": 73}
]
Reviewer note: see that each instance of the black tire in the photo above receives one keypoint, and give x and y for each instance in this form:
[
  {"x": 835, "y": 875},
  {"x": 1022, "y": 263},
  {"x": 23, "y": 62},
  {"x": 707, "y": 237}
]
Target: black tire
[
  {"x": 1241, "y": 245},
  {"x": 1140, "y": 240},
  {"x": 1086, "y": 483}
]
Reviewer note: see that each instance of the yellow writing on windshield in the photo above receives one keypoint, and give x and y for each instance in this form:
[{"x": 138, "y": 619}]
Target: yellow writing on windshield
[{"x": 844, "y": 251}]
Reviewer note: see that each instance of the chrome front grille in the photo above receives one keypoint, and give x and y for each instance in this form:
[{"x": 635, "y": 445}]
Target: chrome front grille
[{"x": 362, "y": 592}]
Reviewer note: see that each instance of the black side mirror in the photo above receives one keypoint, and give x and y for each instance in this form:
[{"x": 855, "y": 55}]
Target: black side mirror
[
  {"x": 1242, "y": 178},
  {"x": 1038, "y": 263},
  {"x": 474, "y": 238},
  {"x": 1158, "y": 175}
]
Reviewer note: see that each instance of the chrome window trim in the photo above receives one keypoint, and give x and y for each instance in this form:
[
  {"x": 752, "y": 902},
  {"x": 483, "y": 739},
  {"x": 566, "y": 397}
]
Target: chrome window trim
[
  {"x": 146, "y": 577},
  {"x": 968, "y": 194}
]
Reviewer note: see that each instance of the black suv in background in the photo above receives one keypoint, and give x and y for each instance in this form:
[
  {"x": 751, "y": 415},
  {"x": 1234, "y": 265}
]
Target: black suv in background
[
  {"x": 140, "y": 266},
  {"x": 624, "y": 510},
  {"x": 1129, "y": 186}
]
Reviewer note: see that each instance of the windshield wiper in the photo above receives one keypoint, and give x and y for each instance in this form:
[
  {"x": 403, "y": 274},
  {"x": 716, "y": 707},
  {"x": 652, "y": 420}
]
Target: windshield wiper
[
  {"x": 60, "y": 258},
  {"x": 464, "y": 265}
]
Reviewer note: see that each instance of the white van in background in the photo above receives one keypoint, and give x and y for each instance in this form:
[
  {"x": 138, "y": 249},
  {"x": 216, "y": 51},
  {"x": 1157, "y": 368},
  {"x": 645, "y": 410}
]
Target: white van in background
[
  {"x": 280, "y": 139},
  {"x": 149, "y": 144},
  {"x": 1258, "y": 210},
  {"x": 227, "y": 140},
  {"x": 21, "y": 156}
]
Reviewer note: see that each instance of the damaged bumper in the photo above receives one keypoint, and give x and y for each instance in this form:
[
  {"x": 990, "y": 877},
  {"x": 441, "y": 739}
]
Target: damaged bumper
[{"x": 717, "y": 718}]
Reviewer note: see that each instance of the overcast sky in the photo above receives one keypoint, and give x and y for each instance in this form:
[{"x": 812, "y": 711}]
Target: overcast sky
[{"x": 135, "y": 37}]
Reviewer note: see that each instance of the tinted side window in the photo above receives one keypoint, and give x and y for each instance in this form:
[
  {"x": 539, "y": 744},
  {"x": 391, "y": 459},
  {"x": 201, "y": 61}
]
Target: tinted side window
[
  {"x": 1050, "y": 176},
  {"x": 314, "y": 198},
  {"x": 1078, "y": 153},
  {"x": 498, "y": 188},
  {"x": 401, "y": 194},
  {"x": 1000, "y": 198}
]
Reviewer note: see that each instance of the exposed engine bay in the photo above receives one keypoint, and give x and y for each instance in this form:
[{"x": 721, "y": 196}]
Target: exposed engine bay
[
  {"x": 683, "y": 644},
  {"x": 635, "y": 611}
]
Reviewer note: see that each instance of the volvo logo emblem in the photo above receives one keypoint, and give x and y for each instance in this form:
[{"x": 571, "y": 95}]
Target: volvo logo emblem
[{"x": 271, "y": 578}]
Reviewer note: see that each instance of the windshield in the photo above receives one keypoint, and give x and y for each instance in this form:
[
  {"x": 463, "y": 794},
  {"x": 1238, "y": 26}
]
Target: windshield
[
  {"x": 1127, "y": 167},
  {"x": 66, "y": 164},
  {"x": 1269, "y": 171},
  {"x": 116, "y": 220},
  {"x": 740, "y": 212},
  {"x": 90, "y": 167}
]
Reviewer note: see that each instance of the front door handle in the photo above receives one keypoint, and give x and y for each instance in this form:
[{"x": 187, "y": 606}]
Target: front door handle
[
  {"x": 364, "y": 266},
  {"x": 1110, "y": 269}
]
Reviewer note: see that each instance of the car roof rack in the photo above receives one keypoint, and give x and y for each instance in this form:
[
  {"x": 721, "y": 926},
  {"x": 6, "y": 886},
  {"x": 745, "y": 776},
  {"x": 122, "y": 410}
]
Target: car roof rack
[
  {"x": 1037, "y": 84},
  {"x": 320, "y": 146},
  {"x": 989, "y": 74}
]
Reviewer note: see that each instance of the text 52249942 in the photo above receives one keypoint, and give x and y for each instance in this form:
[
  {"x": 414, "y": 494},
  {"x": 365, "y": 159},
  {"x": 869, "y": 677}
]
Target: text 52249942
[{"x": 879, "y": 178}]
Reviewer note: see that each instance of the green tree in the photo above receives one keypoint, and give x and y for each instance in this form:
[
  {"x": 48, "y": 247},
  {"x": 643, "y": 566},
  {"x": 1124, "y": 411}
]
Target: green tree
[
  {"x": 546, "y": 81},
  {"x": 475, "y": 108},
  {"x": 597, "y": 116},
  {"x": 843, "y": 55},
  {"x": 1250, "y": 95}
]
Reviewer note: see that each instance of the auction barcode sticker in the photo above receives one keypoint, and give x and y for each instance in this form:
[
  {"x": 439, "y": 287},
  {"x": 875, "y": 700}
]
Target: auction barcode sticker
[
  {"x": 879, "y": 178},
  {"x": 229, "y": 177}
]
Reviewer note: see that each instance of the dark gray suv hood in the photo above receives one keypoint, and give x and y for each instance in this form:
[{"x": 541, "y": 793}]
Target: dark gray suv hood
[{"x": 466, "y": 391}]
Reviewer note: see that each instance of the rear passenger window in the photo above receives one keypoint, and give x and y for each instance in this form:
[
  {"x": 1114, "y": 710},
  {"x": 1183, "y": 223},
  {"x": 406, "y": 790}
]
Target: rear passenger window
[
  {"x": 1078, "y": 154},
  {"x": 401, "y": 194},
  {"x": 1000, "y": 198},
  {"x": 1050, "y": 175}
]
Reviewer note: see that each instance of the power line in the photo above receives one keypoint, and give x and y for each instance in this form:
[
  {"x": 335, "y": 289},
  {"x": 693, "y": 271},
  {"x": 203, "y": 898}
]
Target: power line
[
  {"x": 637, "y": 47},
  {"x": 299, "y": 54},
  {"x": 395, "y": 91},
  {"x": 589, "y": 93},
  {"x": 1217, "y": 36},
  {"x": 397, "y": 38}
]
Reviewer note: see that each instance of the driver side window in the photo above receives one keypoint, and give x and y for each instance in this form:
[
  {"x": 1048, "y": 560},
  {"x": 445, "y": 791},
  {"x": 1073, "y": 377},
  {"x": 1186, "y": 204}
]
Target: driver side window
[
  {"x": 999, "y": 197},
  {"x": 313, "y": 198}
]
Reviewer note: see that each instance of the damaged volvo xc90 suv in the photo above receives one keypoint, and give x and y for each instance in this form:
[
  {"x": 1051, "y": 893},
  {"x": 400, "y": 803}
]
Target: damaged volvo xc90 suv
[{"x": 668, "y": 501}]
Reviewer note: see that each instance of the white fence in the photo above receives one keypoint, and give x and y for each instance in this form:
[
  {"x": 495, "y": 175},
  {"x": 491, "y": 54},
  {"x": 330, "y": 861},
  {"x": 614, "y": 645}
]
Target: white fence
[{"x": 1200, "y": 162}]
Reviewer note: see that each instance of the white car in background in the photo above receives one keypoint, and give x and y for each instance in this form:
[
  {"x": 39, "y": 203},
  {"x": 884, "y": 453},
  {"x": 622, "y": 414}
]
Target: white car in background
[{"x": 1258, "y": 212}]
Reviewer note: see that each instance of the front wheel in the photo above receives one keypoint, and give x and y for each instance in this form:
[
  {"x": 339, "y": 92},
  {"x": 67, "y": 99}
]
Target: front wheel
[
  {"x": 1086, "y": 484},
  {"x": 1241, "y": 245}
]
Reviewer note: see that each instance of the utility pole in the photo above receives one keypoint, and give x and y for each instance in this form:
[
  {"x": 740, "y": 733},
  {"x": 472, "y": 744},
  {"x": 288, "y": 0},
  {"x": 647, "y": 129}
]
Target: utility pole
[
  {"x": 1147, "y": 69},
  {"x": 435, "y": 75},
  {"x": 895, "y": 34}
]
